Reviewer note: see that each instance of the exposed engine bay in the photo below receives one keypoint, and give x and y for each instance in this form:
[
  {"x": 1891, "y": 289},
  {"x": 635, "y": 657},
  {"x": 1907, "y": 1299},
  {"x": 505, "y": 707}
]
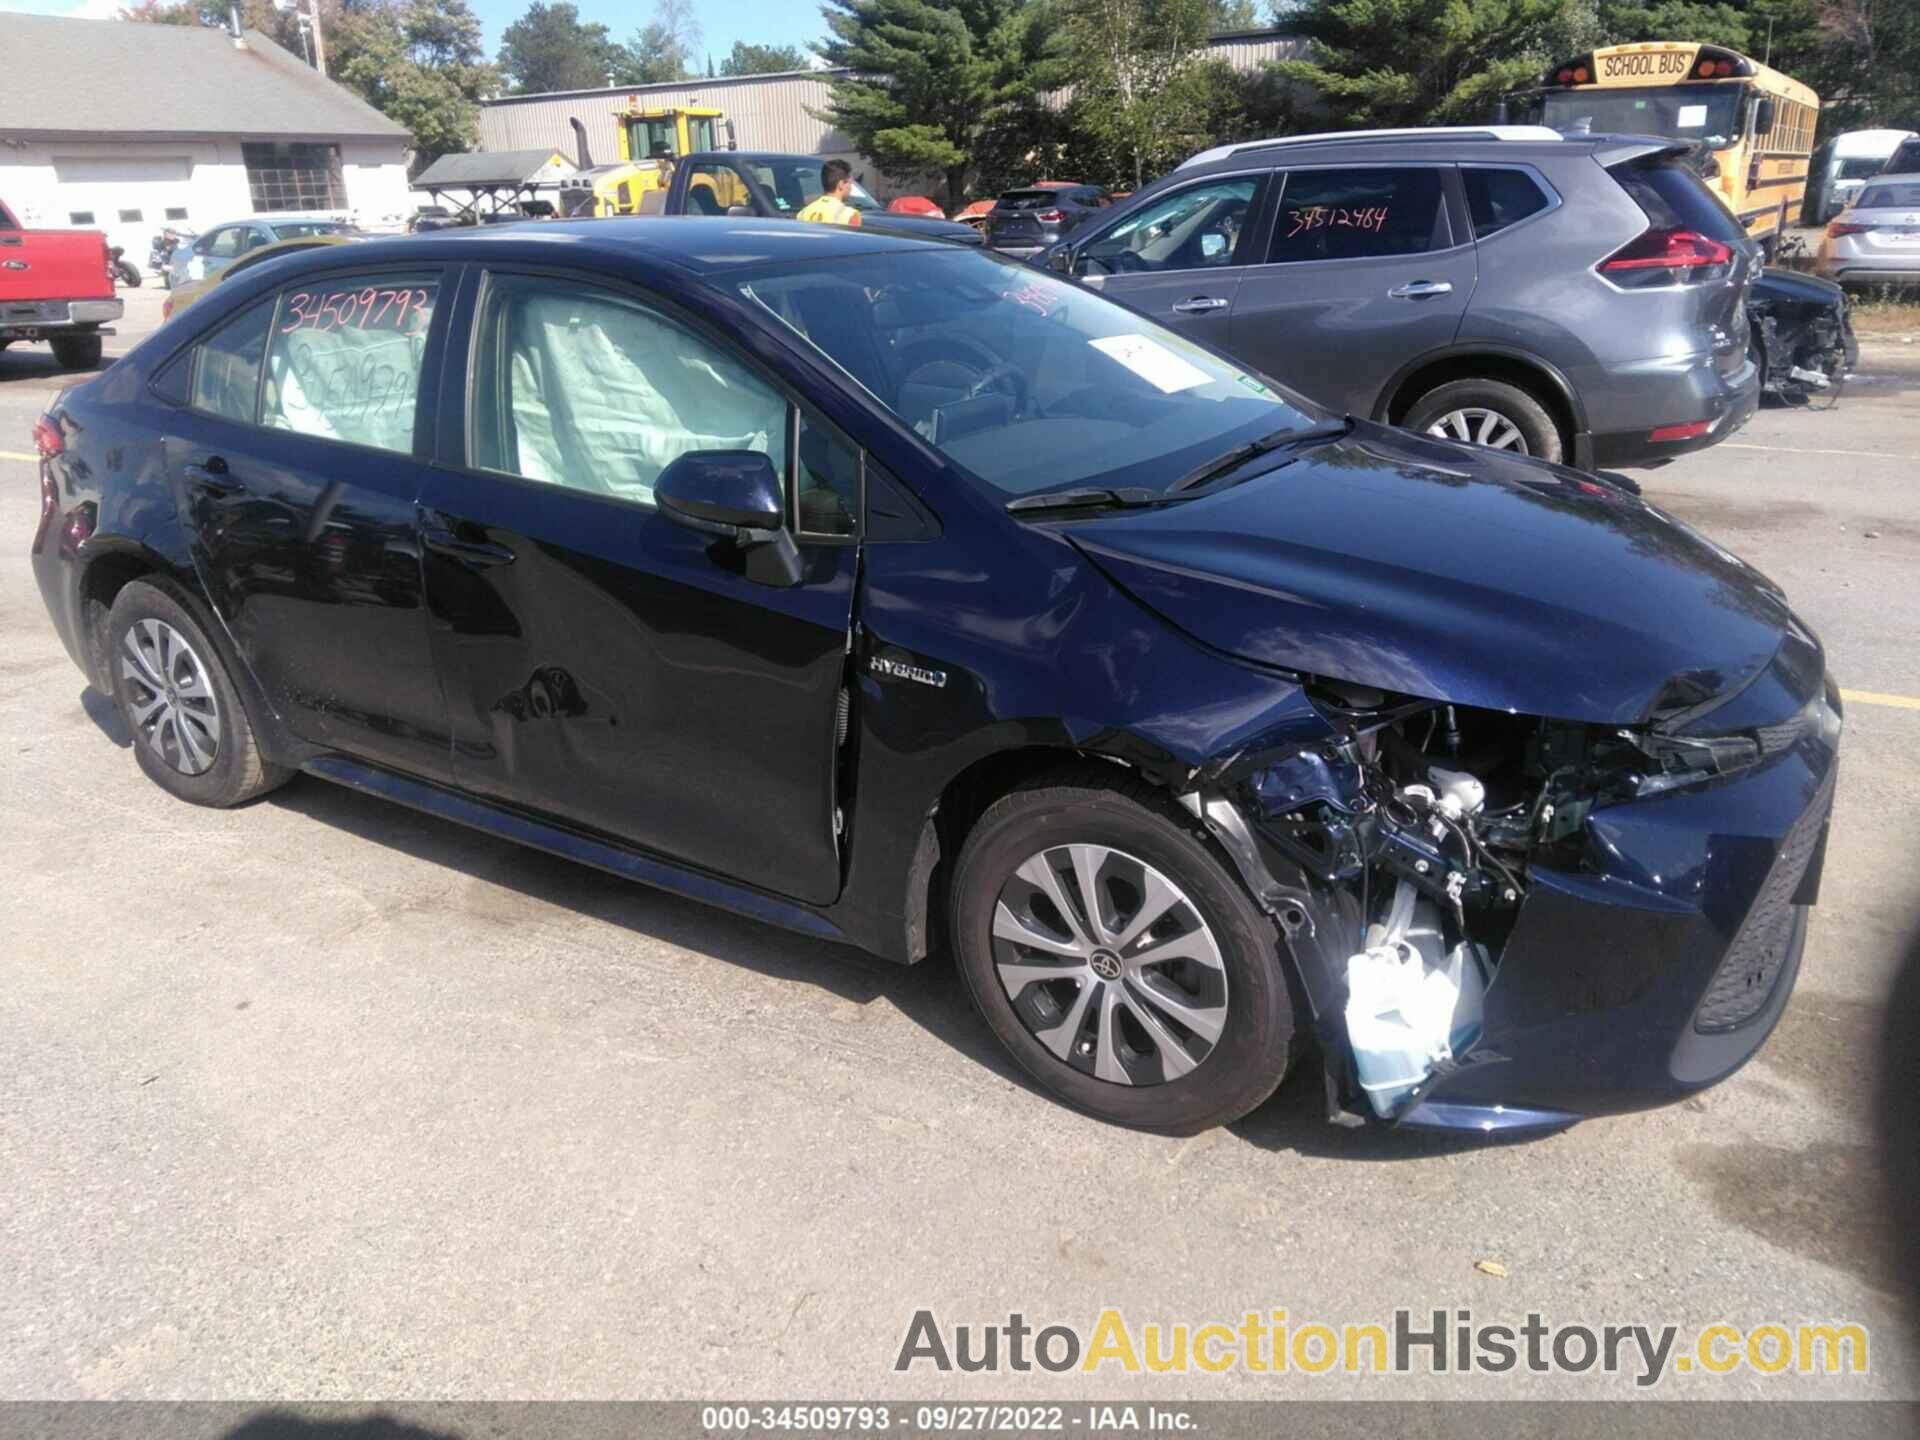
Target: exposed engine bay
[
  {"x": 1802, "y": 339},
  {"x": 1416, "y": 829}
]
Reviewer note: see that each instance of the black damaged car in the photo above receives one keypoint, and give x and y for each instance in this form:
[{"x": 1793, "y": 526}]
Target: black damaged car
[{"x": 909, "y": 597}]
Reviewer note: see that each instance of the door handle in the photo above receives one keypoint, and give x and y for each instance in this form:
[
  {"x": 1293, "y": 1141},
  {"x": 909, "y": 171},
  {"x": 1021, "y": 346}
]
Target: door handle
[
  {"x": 1421, "y": 289},
  {"x": 213, "y": 477},
  {"x": 473, "y": 552},
  {"x": 1200, "y": 305}
]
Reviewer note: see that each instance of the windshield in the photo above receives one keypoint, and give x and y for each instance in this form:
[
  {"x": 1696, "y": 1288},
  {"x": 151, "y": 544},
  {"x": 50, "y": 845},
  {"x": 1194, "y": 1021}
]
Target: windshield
[
  {"x": 297, "y": 229},
  {"x": 795, "y": 184},
  {"x": 1682, "y": 112},
  {"x": 1860, "y": 167},
  {"x": 1029, "y": 382}
]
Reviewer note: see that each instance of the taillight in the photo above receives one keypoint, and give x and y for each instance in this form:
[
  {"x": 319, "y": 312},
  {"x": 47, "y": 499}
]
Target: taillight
[
  {"x": 1837, "y": 228},
  {"x": 1050, "y": 217},
  {"x": 1664, "y": 257},
  {"x": 47, "y": 438}
]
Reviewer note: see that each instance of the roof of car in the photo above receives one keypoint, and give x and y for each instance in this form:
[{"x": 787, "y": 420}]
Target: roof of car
[{"x": 700, "y": 244}]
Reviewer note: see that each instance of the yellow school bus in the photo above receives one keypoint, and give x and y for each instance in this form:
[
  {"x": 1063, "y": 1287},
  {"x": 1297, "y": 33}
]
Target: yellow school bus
[{"x": 1754, "y": 126}]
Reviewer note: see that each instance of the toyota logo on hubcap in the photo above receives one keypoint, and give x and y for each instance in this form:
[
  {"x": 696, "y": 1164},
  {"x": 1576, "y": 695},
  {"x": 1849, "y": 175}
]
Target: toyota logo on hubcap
[{"x": 1105, "y": 964}]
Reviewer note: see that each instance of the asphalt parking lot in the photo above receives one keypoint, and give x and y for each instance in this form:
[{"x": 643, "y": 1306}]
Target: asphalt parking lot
[{"x": 321, "y": 1098}]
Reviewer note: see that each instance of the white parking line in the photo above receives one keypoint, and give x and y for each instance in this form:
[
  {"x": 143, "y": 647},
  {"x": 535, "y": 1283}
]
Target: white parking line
[{"x": 1797, "y": 450}]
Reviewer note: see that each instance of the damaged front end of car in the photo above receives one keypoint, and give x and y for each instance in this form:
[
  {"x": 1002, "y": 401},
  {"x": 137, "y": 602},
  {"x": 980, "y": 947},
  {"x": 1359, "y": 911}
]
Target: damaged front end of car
[
  {"x": 1802, "y": 334},
  {"x": 1505, "y": 922}
]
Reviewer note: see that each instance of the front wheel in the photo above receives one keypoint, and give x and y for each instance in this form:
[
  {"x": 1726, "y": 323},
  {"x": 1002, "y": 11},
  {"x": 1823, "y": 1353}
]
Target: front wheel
[
  {"x": 1118, "y": 958},
  {"x": 1487, "y": 412}
]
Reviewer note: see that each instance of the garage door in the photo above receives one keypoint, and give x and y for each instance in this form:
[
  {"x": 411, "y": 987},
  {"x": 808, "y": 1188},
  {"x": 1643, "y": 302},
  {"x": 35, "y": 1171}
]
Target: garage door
[{"x": 128, "y": 197}]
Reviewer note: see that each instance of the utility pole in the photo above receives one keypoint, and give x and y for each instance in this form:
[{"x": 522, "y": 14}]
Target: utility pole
[{"x": 319, "y": 40}]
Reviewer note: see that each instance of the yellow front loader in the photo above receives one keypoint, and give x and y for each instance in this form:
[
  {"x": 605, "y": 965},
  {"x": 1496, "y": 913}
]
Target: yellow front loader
[{"x": 651, "y": 139}]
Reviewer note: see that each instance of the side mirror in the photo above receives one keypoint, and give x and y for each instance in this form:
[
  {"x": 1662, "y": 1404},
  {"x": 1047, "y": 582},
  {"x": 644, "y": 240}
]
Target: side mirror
[
  {"x": 1060, "y": 258},
  {"x": 735, "y": 496},
  {"x": 1764, "y": 114}
]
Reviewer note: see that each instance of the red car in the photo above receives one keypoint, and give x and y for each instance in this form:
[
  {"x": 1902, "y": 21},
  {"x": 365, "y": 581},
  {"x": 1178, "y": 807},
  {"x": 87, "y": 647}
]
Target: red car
[
  {"x": 57, "y": 286},
  {"x": 915, "y": 205}
]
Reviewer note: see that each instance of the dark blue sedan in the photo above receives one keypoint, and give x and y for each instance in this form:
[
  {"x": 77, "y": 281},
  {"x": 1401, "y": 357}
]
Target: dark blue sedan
[{"x": 905, "y": 596}]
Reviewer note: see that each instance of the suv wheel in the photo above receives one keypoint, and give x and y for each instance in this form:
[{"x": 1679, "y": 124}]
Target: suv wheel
[
  {"x": 1118, "y": 957},
  {"x": 190, "y": 730},
  {"x": 1487, "y": 412}
]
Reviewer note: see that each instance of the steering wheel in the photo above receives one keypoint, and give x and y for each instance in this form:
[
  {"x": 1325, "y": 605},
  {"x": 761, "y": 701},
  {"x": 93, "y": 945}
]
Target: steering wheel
[{"x": 1014, "y": 386}]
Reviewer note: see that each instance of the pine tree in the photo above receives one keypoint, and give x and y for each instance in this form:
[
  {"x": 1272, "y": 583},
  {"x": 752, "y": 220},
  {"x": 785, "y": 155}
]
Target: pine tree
[
  {"x": 1386, "y": 63},
  {"x": 940, "y": 87}
]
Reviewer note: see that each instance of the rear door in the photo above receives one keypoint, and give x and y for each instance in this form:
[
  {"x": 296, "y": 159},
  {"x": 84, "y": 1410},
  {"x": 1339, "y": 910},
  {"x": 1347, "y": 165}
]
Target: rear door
[
  {"x": 1362, "y": 271},
  {"x": 294, "y": 463},
  {"x": 1180, "y": 258},
  {"x": 604, "y": 665}
]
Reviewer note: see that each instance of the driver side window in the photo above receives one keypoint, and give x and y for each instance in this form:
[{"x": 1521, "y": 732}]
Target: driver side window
[
  {"x": 589, "y": 390},
  {"x": 1197, "y": 228}
]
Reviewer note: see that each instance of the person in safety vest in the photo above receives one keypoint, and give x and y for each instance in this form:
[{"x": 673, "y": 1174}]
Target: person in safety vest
[{"x": 836, "y": 183}]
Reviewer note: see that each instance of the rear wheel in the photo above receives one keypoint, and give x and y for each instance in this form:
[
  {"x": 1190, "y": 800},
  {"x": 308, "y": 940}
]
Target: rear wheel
[
  {"x": 76, "y": 352},
  {"x": 1118, "y": 958},
  {"x": 1487, "y": 412},
  {"x": 191, "y": 733}
]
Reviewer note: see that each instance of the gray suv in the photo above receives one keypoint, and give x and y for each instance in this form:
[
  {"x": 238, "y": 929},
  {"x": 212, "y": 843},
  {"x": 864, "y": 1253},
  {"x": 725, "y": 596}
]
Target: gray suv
[{"x": 1573, "y": 297}]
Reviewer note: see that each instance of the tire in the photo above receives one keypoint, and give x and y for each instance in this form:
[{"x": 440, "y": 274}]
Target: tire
[
  {"x": 76, "y": 352},
  {"x": 1229, "y": 981},
  {"x": 201, "y": 747},
  {"x": 1474, "y": 400}
]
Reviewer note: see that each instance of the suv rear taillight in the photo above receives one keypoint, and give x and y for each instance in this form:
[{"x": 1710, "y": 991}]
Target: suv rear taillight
[
  {"x": 1667, "y": 257},
  {"x": 1050, "y": 217}
]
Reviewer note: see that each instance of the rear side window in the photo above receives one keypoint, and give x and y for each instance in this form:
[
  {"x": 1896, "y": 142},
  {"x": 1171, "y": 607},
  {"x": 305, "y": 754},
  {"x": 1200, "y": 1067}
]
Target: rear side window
[
  {"x": 226, "y": 367},
  {"x": 1674, "y": 198},
  {"x": 1497, "y": 198},
  {"x": 1354, "y": 214},
  {"x": 1905, "y": 160},
  {"x": 345, "y": 360}
]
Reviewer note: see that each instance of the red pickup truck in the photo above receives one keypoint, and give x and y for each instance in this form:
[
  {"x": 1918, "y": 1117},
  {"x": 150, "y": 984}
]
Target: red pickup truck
[{"x": 57, "y": 286}]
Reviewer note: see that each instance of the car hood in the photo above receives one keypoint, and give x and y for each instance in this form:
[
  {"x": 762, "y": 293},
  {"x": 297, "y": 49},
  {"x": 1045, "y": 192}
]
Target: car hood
[
  {"x": 1771, "y": 284},
  {"x": 1454, "y": 574},
  {"x": 922, "y": 226}
]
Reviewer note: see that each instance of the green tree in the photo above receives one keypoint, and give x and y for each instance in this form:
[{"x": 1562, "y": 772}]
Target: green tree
[
  {"x": 552, "y": 48},
  {"x": 745, "y": 59},
  {"x": 420, "y": 62},
  {"x": 154, "y": 12},
  {"x": 1144, "y": 94},
  {"x": 1420, "y": 62},
  {"x": 944, "y": 88}
]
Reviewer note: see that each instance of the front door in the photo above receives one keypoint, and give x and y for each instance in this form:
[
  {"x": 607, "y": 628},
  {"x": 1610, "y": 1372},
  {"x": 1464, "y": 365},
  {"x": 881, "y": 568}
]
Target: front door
[
  {"x": 604, "y": 666},
  {"x": 1181, "y": 259},
  {"x": 1363, "y": 272},
  {"x": 294, "y": 461}
]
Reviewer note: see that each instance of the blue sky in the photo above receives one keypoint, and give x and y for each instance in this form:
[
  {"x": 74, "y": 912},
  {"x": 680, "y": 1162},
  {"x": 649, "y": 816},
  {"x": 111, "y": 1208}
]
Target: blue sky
[{"x": 759, "y": 22}]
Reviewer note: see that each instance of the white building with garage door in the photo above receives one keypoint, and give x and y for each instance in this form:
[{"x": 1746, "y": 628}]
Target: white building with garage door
[{"x": 125, "y": 127}]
